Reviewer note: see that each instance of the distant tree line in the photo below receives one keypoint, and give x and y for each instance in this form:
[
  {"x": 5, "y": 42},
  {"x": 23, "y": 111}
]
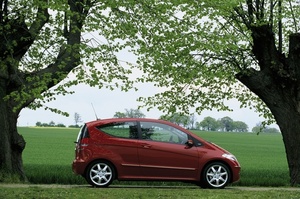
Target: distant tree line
[
  {"x": 77, "y": 119},
  {"x": 50, "y": 124},
  {"x": 225, "y": 124},
  {"x": 259, "y": 128}
]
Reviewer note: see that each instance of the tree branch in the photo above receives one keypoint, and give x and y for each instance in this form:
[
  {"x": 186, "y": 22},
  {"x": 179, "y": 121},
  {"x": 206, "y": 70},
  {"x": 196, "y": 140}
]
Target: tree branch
[
  {"x": 24, "y": 38},
  {"x": 264, "y": 47},
  {"x": 3, "y": 9},
  {"x": 42, "y": 17},
  {"x": 294, "y": 55},
  {"x": 250, "y": 11},
  {"x": 69, "y": 55}
]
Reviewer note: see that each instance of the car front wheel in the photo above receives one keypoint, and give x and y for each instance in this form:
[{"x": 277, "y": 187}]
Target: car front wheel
[
  {"x": 215, "y": 175},
  {"x": 100, "y": 174}
]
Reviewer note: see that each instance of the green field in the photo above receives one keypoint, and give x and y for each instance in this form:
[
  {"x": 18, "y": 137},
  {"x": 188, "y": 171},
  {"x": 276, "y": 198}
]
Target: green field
[
  {"x": 42, "y": 192},
  {"x": 49, "y": 153}
]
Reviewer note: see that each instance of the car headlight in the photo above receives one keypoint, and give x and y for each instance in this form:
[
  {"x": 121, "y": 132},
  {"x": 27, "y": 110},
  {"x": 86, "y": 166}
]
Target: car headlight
[{"x": 229, "y": 156}]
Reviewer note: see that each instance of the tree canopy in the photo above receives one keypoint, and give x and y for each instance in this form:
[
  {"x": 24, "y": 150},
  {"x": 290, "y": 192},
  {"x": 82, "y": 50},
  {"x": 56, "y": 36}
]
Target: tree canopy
[
  {"x": 58, "y": 38},
  {"x": 179, "y": 119},
  {"x": 200, "y": 48},
  {"x": 209, "y": 124}
]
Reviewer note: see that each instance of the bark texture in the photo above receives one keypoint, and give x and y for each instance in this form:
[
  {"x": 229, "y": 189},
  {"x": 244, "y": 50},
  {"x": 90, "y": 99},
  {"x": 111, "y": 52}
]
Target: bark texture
[{"x": 12, "y": 144}]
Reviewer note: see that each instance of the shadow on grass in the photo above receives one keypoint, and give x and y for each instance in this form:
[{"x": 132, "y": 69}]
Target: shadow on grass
[{"x": 61, "y": 174}]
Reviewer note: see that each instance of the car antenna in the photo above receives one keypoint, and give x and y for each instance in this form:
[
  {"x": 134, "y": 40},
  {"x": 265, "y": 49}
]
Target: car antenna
[{"x": 95, "y": 112}]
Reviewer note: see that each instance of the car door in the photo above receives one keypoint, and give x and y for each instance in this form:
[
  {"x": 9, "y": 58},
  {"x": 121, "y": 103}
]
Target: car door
[
  {"x": 163, "y": 153},
  {"x": 120, "y": 147}
]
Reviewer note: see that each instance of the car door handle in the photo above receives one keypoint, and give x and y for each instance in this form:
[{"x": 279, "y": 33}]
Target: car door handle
[{"x": 146, "y": 146}]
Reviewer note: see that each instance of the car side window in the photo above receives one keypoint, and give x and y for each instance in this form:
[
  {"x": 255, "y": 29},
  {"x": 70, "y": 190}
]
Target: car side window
[
  {"x": 162, "y": 133},
  {"x": 121, "y": 129}
]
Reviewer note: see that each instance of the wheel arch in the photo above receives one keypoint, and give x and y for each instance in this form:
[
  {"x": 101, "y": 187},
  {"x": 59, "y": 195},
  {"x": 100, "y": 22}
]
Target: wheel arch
[
  {"x": 220, "y": 161},
  {"x": 104, "y": 160}
]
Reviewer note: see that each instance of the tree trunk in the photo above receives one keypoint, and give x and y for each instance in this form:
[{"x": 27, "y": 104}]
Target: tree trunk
[
  {"x": 12, "y": 144},
  {"x": 283, "y": 107},
  {"x": 287, "y": 117},
  {"x": 289, "y": 122},
  {"x": 277, "y": 83}
]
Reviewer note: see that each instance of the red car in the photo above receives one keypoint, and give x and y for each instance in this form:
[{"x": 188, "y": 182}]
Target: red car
[{"x": 150, "y": 149}]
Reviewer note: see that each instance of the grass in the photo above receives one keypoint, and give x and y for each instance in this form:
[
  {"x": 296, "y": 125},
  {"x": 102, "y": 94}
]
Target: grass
[
  {"x": 141, "y": 193},
  {"x": 49, "y": 153}
]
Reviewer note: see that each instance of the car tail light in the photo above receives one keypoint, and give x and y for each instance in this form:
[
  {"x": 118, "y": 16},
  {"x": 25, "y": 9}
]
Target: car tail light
[{"x": 84, "y": 142}]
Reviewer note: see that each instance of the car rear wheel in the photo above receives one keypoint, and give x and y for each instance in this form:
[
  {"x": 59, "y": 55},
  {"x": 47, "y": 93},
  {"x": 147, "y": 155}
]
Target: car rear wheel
[
  {"x": 100, "y": 174},
  {"x": 215, "y": 175}
]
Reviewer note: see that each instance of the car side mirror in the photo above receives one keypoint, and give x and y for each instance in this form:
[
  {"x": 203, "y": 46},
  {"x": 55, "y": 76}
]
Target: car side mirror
[{"x": 189, "y": 143}]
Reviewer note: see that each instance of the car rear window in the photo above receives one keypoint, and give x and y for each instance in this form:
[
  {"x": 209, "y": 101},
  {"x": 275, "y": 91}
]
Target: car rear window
[
  {"x": 120, "y": 129},
  {"x": 83, "y": 133}
]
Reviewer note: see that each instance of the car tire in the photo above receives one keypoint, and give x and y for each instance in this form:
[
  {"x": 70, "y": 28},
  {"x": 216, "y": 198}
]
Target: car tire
[
  {"x": 100, "y": 173},
  {"x": 215, "y": 175}
]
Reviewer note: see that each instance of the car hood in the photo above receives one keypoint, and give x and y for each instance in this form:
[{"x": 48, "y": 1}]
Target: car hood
[{"x": 217, "y": 147}]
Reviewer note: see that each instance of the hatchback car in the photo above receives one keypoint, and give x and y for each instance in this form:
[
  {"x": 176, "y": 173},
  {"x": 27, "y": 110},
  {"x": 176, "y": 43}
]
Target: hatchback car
[{"x": 150, "y": 149}]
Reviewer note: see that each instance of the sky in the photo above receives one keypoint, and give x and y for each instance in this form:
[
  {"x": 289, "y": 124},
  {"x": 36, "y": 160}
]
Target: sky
[{"x": 106, "y": 103}]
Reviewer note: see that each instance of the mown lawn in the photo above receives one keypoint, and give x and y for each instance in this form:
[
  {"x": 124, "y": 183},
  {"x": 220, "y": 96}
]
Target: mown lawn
[{"x": 143, "y": 193}]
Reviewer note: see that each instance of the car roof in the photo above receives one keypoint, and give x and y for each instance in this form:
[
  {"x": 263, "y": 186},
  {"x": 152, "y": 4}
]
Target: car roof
[{"x": 109, "y": 120}]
